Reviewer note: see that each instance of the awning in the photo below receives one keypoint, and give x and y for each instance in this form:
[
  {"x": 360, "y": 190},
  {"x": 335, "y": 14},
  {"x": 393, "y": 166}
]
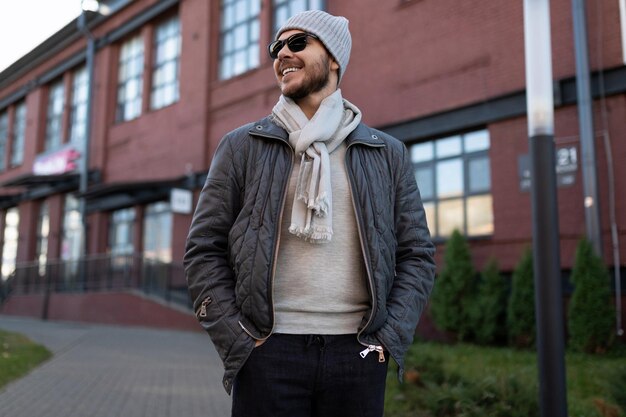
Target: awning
[
  {"x": 9, "y": 200},
  {"x": 113, "y": 196},
  {"x": 31, "y": 180},
  {"x": 35, "y": 186}
]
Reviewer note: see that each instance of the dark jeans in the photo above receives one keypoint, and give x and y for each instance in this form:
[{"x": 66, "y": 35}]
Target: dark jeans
[{"x": 310, "y": 376}]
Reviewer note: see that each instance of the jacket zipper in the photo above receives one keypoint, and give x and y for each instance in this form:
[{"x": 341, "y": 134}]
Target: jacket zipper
[
  {"x": 205, "y": 302},
  {"x": 379, "y": 349},
  {"x": 275, "y": 257},
  {"x": 370, "y": 348}
]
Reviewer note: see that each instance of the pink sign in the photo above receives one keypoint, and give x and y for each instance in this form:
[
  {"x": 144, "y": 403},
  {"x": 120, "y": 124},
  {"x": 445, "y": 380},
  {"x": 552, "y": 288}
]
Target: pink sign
[{"x": 59, "y": 162}]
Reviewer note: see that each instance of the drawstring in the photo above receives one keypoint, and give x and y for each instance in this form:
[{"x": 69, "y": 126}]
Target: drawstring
[{"x": 315, "y": 339}]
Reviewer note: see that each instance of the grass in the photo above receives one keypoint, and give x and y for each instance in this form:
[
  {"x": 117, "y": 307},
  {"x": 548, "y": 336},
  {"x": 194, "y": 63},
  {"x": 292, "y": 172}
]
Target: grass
[
  {"x": 586, "y": 376},
  {"x": 18, "y": 355}
]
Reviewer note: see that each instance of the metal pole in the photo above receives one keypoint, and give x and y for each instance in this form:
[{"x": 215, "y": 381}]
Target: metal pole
[
  {"x": 585, "y": 119},
  {"x": 547, "y": 266},
  {"x": 547, "y": 272},
  {"x": 84, "y": 160}
]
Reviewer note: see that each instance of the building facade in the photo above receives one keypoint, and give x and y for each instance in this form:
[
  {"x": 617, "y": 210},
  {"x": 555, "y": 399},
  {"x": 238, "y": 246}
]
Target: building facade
[{"x": 171, "y": 77}]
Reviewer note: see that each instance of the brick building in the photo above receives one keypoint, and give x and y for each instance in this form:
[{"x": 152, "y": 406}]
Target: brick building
[{"x": 171, "y": 77}]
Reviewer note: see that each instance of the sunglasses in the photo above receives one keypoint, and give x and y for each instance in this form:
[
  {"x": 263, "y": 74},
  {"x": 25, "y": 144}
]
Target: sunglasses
[{"x": 295, "y": 43}]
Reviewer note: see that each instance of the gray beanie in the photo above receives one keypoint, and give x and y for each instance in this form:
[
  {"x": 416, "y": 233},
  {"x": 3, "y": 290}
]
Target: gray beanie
[{"x": 331, "y": 30}]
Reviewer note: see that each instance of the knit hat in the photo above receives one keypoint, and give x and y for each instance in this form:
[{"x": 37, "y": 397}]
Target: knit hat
[{"x": 331, "y": 30}]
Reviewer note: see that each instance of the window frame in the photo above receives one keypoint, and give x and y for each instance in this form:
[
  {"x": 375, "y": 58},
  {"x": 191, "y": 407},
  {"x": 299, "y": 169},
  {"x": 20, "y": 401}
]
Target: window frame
[
  {"x": 4, "y": 138},
  {"x": 10, "y": 242},
  {"x": 18, "y": 134},
  {"x": 42, "y": 237},
  {"x": 252, "y": 47},
  {"x": 157, "y": 87},
  {"x": 77, "y": 102},
  {"x": 466, "y": 193},
  {"x": 125, "y": 216},
  {"x": 158, "y": 217},
  {"x": 134, "y": 59},
  {"x": 53, "y": 137},
  {"x": 278, "y": 5},
  {"x": 70, "y": 229}
]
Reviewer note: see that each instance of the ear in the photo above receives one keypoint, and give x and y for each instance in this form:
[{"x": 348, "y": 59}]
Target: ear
[{"x": 334, "y": 65}]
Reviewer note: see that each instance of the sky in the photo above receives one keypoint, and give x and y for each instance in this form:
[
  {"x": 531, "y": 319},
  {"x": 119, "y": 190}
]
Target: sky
[{"x": 24, "y": 24}]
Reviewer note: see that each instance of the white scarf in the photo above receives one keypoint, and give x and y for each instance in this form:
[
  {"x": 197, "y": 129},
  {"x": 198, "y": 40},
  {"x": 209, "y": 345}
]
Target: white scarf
[{"x": 313, "y": 140}]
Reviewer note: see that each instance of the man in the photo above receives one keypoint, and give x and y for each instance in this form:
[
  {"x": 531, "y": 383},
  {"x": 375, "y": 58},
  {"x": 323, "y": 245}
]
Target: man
[{"x": 309, "y": 260}]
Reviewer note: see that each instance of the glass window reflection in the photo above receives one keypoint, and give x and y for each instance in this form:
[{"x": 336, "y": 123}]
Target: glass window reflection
[
  {"x": 448, "y": 147},
  {"x": 450, "y": 178},
  {"x": 454, "y": 178},
  {"x": 240, "y": 36}
]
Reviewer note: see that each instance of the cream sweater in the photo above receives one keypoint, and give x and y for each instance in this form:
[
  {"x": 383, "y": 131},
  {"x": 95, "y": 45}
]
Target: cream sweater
[{"x": 321, "y": 288}]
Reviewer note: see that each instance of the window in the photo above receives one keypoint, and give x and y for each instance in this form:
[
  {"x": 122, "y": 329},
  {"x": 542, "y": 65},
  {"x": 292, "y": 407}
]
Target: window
[
  {"x": 54, "y": 118},
  {"x": 43, "y": 231},
  {"x": 72, "y": 230},
  {"x": 19, "y": 131},
  {"x": 455, "y": 183},
  {"x": 157, "y": 237},
  {"x": 11, "y": 234},
  {"x": 165, "y": 73},
  {"x": 240, "y": 30},
  {"x": 4, "y": 135},
  {"x": 284, "y": 9},
  {"x": 71, "y": 238},
  {"x": 130, "y": 80},
  {"x": 121, "y": 232},
  {"x": 78, "y": 110}
]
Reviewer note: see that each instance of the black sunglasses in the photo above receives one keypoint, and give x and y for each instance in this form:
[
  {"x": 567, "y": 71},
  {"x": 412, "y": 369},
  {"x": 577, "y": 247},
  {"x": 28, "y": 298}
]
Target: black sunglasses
[{"x": 295, "y": 43}]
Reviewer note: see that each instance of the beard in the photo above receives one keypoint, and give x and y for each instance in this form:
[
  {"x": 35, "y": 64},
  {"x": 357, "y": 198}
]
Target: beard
[{"x": 315, "y": 81}]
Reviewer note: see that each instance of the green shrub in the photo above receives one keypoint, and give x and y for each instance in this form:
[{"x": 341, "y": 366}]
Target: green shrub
[
  {"x": 521, "y": 307},
  {"x": 455, "y": 289},
  {"x": 493, "y": 397},
  {"x": 432, "y": 391},
  {"x": 591, "y": 314},
  {"x": 489, "y": 310}
]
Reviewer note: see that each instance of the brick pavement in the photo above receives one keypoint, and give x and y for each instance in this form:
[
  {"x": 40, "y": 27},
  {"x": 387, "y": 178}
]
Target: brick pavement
[{"x": 112, "y": 371}]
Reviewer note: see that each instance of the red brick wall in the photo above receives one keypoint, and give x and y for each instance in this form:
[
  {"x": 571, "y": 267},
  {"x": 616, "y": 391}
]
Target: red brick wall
[
  {"x": 106, "y": 308},
  {"x": 409, "y": 60}
]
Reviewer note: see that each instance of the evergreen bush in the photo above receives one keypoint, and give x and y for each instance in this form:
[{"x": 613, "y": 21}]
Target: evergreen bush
[
  {"x": 521, "y": 307},
  {"x": 591, "y": 314},
  {"x": 455, "y": 289},
  {"x": 489, "y": 310}
]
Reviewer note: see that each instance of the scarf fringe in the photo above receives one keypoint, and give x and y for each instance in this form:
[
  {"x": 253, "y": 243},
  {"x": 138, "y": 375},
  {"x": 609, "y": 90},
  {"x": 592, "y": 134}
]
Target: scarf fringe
[
  {"x": 321, "y": 205},
  {"x": 318, "y": 234}
]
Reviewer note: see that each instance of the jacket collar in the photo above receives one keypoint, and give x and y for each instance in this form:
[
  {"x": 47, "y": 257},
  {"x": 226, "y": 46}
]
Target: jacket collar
[
  {"x": 362, "y": 134},
  {"x": 268, "y": 129}
]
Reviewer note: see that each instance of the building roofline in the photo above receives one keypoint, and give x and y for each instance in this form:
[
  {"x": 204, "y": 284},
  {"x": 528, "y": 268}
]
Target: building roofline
[
  {"x": 67, "y": 35},
  {"x": 605, "y": 83}
]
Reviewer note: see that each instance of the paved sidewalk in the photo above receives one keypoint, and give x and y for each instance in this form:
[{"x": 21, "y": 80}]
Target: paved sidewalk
[{"x": 111, "y": 371}]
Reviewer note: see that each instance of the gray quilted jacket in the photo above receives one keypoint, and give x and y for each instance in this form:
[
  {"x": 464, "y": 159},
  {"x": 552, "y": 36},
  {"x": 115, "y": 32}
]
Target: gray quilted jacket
[{"x": 233, "y": 240}]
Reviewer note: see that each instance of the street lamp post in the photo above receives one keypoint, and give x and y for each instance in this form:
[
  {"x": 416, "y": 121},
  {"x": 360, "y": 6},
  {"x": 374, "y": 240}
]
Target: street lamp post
[
  {"x": 547, "y": 270},
  {"x": 83, "y": 166},
  {"x": 87, "y": 6}
]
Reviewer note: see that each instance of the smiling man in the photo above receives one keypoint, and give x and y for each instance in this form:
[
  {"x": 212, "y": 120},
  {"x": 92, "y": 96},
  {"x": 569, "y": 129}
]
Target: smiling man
[{"x": 309, "y": 260}]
